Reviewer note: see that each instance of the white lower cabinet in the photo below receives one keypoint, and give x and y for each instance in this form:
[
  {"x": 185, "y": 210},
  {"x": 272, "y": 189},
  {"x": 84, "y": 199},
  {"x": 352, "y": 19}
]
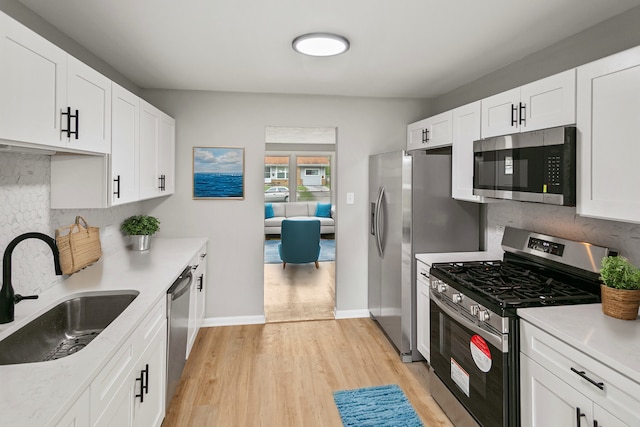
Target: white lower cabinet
[
  {"x": 78, "y": 415},
  {"x": 561, "y": 386},
  {"x": 130, "y": 389},
  {"x": 197, "y": 297},
  {"x": 423, "y": 313}
]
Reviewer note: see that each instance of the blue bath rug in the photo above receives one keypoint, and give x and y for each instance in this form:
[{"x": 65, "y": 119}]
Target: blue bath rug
[
  {"x": 271, "y": 255},
  {"x": 382, "y": 406}
]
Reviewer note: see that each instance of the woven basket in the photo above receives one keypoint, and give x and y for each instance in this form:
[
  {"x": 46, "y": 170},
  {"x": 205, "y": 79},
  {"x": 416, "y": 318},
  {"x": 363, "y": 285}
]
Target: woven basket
[
  {"x": 620, "y": 303},
  {"x": 79, "y": 246}
]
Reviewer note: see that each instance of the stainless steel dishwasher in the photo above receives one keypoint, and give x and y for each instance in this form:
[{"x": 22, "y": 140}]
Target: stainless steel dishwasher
[{"x": 178, "y": 297}]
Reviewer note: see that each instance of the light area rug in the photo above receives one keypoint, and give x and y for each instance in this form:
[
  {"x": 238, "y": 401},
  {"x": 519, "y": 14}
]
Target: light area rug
[
  {"x": 271, "y": 255},
  {"x": 382, "y": 406}
]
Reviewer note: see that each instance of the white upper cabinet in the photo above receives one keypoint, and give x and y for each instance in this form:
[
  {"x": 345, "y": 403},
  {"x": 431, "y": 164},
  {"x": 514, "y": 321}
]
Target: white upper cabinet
[
  {"x": 157, "y": 152},
  {"x": 125, "y": 146},
  {"x": 166, "y": 154},
  {"x": 466, "y": 129},
  {"x": 49, "y": 97},
  {"x": 433, "y": 132},
  {"x": 33, "y": 85},
  {"x": 608, "y": 133},
  {"x": 89, "y": 100},
  {"x": 542, "y": 104}
]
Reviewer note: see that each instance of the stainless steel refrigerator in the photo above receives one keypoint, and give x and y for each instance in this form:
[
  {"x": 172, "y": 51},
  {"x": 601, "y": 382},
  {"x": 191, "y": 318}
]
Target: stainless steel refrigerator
[{"x": 411, "y": 211}]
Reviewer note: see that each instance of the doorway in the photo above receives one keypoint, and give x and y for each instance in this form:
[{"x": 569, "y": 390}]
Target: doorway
[{"x": 298, "y": 172}]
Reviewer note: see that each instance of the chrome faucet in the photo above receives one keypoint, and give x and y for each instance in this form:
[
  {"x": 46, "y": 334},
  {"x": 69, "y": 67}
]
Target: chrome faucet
[{"x": 8, "y": 299}]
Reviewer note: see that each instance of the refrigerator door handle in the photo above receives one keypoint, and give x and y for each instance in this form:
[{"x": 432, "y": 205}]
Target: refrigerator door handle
[{"x": 378, "y": 225}]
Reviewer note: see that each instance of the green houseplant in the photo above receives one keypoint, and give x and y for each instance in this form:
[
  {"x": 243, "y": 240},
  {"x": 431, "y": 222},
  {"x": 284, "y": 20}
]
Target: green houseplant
[
  {"x": 621, "y": 288},
  {"x": 140, "y": 227}
]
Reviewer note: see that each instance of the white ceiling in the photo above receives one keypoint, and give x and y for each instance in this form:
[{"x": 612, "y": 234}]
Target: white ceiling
[{"x": 399, "y": 48}]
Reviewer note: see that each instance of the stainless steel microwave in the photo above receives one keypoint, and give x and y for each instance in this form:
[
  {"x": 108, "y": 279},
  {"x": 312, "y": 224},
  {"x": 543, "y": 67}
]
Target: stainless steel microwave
[{"x": 538, "y": 166}]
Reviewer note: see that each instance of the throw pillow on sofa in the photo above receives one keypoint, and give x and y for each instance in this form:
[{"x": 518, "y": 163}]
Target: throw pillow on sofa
[
  {"x": 323, "y": 210},
  {"x": 268, "y": 210}
]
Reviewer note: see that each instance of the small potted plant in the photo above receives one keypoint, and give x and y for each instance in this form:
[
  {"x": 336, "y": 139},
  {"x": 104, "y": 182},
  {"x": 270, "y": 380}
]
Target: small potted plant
[
  {"x": 140, "y": 228},
  {"x": 621, "y": 289}
]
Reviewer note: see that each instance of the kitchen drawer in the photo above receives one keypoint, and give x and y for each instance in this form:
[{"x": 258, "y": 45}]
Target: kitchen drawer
[
  {"x": 620, "y": 395},
  {"x": 150, "y": 324},
  {"x": 422, "y": 272}
]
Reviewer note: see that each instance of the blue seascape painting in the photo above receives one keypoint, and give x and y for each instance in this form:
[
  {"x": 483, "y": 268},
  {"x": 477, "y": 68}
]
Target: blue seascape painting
[{"x": 218, "y": 173}]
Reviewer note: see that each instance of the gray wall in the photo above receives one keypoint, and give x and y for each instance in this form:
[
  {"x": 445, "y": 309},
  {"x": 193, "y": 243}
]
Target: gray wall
[
  {"x": 619, "y": 33},
  {"x": 235, "y": 228}
]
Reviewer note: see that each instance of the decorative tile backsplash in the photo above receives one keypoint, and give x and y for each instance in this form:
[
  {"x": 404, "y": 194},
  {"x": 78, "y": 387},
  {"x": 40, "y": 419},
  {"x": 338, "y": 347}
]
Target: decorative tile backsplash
[
  {"x": 563, "y": 222},
  {"x": 24, "y": 207}
]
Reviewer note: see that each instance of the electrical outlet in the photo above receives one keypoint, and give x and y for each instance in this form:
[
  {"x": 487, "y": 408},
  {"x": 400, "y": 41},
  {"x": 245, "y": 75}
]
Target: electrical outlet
[{"x": 350, "y": 198}]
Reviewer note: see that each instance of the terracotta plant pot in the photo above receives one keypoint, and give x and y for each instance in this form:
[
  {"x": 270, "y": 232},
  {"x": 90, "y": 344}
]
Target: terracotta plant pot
[{"x": 620, "y": 303}]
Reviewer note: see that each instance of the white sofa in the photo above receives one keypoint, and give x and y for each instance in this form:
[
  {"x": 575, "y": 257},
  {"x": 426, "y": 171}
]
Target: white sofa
[{"x": 298, "y": 210}]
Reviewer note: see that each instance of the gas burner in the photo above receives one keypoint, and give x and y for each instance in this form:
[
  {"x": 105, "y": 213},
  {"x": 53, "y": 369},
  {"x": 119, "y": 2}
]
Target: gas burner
[{"x": 510, "y": 285}]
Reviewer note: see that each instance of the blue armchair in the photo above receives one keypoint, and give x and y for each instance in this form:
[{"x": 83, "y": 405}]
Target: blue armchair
[{"x": 300, "y": 241}]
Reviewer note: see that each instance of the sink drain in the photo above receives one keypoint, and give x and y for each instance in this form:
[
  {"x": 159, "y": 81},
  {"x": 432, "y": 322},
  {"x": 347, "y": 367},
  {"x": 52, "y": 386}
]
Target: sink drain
[{"x": 70, "y": 345}]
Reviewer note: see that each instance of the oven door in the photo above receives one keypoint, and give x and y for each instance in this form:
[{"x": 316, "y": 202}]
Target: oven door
[{"x": 471, "y": 362}]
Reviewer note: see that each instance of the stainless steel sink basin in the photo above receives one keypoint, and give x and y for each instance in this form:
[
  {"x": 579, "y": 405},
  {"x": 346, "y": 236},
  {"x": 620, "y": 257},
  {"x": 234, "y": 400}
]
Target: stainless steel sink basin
[{"x": 65, "y": 329}]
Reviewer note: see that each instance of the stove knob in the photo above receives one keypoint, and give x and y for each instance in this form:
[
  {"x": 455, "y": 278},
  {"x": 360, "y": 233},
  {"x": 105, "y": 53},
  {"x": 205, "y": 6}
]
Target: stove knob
[
  {"x": 483, "y": 315},
  {"x": 434, "y": 283},
  {"x": 442, "y": 287},
  {"x": 457, "y": 298},
  {"x": 474, "y": 309}
]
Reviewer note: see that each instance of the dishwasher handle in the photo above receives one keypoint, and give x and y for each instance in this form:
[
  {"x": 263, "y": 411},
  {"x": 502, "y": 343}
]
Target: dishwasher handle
[{"x": 182, "y": 284}]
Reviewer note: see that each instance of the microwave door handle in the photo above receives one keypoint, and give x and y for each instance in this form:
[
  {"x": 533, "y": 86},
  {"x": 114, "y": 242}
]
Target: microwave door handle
[{"x": 494, "y": 339}]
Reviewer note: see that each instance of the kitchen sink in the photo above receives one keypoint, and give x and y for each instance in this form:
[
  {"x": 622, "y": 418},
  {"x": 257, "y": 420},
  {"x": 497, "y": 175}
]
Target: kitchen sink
[{"x": 64, "y": 329}]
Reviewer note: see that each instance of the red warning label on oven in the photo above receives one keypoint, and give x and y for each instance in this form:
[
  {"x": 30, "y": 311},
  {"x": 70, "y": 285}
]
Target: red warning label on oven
[{"x": 481, "y": 353}]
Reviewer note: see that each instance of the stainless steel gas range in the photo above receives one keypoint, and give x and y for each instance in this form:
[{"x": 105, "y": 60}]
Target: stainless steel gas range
[{"x": 474, "y": 329}]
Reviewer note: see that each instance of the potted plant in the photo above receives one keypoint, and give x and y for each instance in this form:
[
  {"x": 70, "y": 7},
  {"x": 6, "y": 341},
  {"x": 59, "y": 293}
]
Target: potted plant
[
  {"x": 140, "y": 228},
  {"x": 620, "y": 288}
]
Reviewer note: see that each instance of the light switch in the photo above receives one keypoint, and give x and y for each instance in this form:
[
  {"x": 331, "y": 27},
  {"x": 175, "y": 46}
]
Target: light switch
[{"x": 350, "y": 198}]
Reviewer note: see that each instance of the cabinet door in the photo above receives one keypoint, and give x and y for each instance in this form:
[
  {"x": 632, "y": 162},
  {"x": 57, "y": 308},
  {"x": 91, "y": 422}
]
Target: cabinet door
[
  {"x": 125, "y": 146},
  {"x": 604, "y": 418},
  {"x": 149, "y": 411},
  {"x": 549, "y": 102},
  {"x": 89, "y": 92},
  {"x": 548, "y": 401},
  {"x": 466, "y": 129},
  {"x": 608, "y": 148},
  {"x": 119, "y": 411},
  {"x": 166, "y": 154},
  {"x": 149, "y": 136},
  {"x": 416, "y": 135},
  {"x": 440, "y": 130},
  {"x": 33, "y": 85},
  {"x": 500, "y": 114},
  {"x": 422, "y": 327}
]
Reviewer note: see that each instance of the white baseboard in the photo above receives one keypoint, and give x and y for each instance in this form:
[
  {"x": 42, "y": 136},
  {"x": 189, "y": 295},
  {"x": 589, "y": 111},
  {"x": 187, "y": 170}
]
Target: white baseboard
[
  {"x": 351, "y": 314},
  {"x": 233, "y": 321}
]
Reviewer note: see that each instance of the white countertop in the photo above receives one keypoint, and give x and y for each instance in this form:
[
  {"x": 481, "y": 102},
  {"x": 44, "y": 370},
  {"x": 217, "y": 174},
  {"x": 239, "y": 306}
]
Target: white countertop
[
  {"x": 614, "y": 342},
  {"x": 431, "y": 258},
  {"x": 39, "y": 394}
]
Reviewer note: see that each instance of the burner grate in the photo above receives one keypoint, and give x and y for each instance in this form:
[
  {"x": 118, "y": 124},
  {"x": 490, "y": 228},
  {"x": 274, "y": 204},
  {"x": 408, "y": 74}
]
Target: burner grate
[{"x": 511, "y": 285}]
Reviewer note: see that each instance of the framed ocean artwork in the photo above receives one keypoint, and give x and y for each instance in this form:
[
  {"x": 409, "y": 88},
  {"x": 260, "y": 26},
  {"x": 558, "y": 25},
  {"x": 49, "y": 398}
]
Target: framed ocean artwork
[{"x": 218, "y": 173}]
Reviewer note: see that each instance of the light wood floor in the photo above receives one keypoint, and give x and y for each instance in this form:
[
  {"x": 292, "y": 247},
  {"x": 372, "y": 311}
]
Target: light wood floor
[
  {"x": 299, "y": 292},
  {"x": 284, "y": 374}
]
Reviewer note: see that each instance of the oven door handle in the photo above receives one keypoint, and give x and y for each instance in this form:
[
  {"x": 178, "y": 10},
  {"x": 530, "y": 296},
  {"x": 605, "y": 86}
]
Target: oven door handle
[{"x": 494, "y": 339}]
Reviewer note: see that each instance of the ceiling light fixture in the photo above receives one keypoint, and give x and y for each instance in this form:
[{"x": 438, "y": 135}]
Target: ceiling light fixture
[{"x": 320, "y": 44}]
